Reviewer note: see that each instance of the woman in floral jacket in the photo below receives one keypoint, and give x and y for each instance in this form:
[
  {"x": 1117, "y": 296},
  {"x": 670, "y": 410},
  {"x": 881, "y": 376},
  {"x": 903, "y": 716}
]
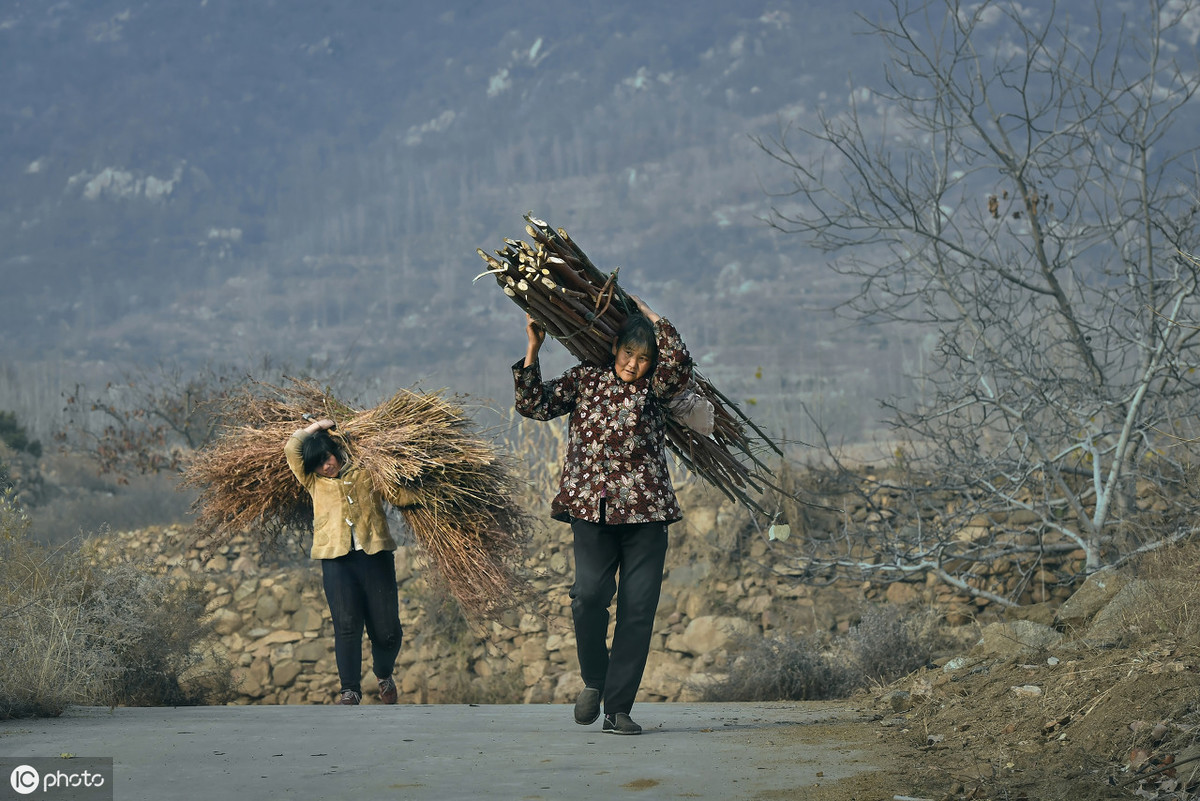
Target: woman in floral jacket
[{"x": 616, "y": 493}]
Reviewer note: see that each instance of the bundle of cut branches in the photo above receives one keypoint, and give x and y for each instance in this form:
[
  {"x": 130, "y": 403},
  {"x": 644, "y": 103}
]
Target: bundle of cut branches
[
  {"x": 467, "y": 523},
  {"x": 552, "y": 279}
]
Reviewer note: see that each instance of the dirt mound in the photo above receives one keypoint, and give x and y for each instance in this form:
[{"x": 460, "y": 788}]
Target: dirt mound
[{"x": 1090, "y": 706}]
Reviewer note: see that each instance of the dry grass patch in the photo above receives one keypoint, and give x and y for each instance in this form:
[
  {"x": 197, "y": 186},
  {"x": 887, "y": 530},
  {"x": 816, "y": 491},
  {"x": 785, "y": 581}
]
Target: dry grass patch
[
  {"x": 882, "y": 647},
  {"x": 74, "y": 630}
]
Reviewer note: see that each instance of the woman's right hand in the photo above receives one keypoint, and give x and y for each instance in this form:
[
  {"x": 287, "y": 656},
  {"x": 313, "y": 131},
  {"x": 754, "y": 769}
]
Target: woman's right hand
[
  {"x": 537, "y": 335},
  {"x": 314, "y": 425}
]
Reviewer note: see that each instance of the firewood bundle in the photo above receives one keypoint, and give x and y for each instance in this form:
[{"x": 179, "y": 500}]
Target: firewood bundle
[
  {"x": 468, "y": 522},
  {"x": 552, "y": 279}
]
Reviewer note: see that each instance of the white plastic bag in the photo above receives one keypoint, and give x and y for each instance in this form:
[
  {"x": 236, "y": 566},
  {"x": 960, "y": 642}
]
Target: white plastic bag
[{"x": 693, "y": 410}]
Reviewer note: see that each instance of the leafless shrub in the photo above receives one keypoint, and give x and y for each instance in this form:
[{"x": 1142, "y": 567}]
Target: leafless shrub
[
  {"x": 155, "y": 629},
  {"x": 1175, "y": 612},
  {"x": 786, "y": 668},
  {"x": 538, "y": 447},
  {"x": 461, "y": 687},
  {"x": 75, "y": 631},
  {"x": 883, "y": 646},
  {"x": 43, "y": 672}
]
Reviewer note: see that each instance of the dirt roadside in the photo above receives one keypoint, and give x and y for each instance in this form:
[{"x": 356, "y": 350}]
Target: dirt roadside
[{"x": 1101, "y": 723}]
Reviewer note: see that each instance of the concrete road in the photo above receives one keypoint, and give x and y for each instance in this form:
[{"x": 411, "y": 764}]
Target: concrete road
[{"x": 440, "y": 753}]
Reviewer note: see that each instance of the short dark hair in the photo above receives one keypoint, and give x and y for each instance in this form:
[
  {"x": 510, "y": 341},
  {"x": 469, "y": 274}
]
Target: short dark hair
[
  {"x": 638, "y": 331},
  {"x": 316, "y": 449}
]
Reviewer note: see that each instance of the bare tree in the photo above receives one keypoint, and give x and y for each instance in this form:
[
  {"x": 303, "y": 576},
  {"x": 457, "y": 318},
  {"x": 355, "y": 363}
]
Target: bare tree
[
  {"x": 147, "y": 422},
  {"x": 1023, "y": 183},
  {"x": 153, "y": 419}
]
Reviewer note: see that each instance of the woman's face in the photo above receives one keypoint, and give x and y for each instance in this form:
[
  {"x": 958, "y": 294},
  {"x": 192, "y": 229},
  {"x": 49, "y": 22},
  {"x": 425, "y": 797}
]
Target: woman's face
[
  {"x": 330, "y": 467},
  {"x": 632, "y": 362}
]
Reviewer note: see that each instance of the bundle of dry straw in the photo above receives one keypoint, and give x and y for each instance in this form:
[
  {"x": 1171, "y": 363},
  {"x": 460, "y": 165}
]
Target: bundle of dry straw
[
  {"x": 468, "y": 522},
  {"x": 553, "y": 280}
]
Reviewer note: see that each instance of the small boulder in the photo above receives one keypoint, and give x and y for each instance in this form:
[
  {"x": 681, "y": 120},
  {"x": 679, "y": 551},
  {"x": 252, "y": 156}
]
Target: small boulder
[
  {"x": 1013, "y": 637},
  {"x": 714, "y": 632},
  {"x": 1090, "y": 598}
]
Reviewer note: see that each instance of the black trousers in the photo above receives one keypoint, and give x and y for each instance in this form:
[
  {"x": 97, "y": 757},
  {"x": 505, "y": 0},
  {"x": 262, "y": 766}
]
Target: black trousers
[
  {"x": 361, "y": 591},
  {"x": 637, "y": 552}
]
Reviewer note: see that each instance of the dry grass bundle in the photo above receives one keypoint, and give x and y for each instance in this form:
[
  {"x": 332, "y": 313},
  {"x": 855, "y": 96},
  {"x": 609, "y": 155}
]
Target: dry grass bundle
[
  {"x": 583, "y": 308},
  {"x": 468, "y": 523}
]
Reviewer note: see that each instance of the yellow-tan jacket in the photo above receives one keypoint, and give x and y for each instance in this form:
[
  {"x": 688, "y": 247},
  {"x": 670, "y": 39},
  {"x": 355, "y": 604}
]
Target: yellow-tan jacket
[{"x": 341, "y": 506}]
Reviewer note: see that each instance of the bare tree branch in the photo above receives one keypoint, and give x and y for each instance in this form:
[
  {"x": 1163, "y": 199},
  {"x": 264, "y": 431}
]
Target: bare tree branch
[{"x": 1023, "y": 184}]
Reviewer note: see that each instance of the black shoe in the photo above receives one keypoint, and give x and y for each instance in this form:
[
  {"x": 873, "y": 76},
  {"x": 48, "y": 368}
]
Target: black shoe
[
  {"x": 620, "y": 723},
  {"x": 587, "y": 706},
  {"x": 349, "y": 698}
]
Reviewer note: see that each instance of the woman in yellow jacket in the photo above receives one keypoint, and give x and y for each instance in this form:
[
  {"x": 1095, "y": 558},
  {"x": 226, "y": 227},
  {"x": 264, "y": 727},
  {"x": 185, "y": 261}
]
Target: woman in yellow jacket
[{"x": 358, "y": 569}]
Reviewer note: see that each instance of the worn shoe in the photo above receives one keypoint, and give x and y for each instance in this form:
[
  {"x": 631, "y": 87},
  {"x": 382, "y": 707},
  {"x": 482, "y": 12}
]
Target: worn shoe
[
  {"x": 620, "y": 723},
  {"x": 349, "y": 698},
  {"x": 388, "y": 693},
  {"x": 587, "y": 706}
]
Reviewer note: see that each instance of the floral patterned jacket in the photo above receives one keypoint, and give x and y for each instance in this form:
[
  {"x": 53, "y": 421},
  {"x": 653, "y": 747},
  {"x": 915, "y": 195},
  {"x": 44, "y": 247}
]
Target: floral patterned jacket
[{"x": 615, "y": 470}]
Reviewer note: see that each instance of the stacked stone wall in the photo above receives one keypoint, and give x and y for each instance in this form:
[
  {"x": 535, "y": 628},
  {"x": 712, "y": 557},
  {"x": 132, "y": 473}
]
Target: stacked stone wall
[{"x": 724, "y": 582}]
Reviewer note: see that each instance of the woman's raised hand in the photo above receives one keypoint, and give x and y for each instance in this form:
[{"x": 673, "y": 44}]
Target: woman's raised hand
[
  {"x": 644, "y": 309},
  {"x": 537, "y": 335}
]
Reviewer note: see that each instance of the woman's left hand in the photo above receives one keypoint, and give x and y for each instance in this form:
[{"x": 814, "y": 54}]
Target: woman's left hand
[{"x": 644, "y": 309}]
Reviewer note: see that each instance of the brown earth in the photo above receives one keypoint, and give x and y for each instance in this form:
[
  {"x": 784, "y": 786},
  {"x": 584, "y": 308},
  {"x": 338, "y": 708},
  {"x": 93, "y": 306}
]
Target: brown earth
[
  {"x": 1109, "y": 714},
  {"x": 1090, "y": 736}
]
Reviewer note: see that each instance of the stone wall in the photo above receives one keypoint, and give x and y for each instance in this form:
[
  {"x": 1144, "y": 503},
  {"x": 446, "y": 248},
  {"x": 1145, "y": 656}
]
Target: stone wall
[{"x": 722, "y": 582}]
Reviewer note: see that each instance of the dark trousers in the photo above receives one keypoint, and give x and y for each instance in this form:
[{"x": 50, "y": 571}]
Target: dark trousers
[
  {"x": 637, "y": 552},
  {"x": 361, "y": 591}
]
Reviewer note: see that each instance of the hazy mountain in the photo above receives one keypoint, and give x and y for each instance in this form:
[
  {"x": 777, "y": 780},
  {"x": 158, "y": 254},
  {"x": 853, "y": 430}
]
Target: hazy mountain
[{"x": 210, "y": 180}]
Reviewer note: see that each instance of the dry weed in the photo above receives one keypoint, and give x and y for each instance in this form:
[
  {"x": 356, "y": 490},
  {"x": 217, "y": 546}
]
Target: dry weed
[{"x": 77, "y": 631}]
